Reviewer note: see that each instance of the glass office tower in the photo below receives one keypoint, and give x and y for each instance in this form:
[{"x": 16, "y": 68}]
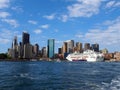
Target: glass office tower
[
  {"x": 50, "y": 50},
  {"x": 25, "y": 38}
]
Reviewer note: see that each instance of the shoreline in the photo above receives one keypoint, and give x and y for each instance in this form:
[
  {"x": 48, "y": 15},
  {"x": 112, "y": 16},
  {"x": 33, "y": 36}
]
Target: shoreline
[{"x": 24, "y": 60}]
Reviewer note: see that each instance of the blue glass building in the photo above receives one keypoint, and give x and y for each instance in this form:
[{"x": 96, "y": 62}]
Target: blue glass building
[{"x": 51, "y": 46}]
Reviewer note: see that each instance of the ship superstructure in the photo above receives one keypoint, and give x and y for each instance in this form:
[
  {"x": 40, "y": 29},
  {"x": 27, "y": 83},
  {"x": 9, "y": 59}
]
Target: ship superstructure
[{"x": 88, "y": 55}]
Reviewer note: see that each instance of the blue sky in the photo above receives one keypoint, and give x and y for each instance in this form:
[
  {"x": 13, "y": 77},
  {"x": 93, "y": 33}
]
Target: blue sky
[{"x": 92, "y": 21}]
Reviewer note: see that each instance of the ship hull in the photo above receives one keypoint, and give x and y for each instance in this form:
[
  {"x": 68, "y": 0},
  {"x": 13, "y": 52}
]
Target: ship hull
[
  {"x": 80, "y": 60},
  {"x": 88, "y": 59}
]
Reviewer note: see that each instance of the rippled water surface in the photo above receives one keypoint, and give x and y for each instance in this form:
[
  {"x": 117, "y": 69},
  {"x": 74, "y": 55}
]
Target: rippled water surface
[{"x": 43, "y": 75}]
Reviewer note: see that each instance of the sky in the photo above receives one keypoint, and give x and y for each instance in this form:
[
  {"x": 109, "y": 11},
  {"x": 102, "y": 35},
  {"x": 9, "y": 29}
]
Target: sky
[{"x": 85, "y": 21}]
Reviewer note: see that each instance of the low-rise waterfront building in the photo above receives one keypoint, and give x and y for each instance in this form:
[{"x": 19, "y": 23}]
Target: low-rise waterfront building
[
  {"x": 104, "y": 51},
  {"x": 109, "y": 56},
  {"x": 117, "y": 56}
]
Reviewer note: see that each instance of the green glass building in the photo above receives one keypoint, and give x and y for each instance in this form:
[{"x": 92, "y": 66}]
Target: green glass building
[{"x": 51, "y": 46}]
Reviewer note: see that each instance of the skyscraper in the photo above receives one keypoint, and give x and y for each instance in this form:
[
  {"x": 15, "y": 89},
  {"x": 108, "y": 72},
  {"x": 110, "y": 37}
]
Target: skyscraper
[
  {"x": 25, "y": 38},
  {"x": 14, "y": 43},
  {"x": 70, "y": 45},
  {"x": 51, "y": 46},
  {"x": 86, "y": 46},
  {"x": 79, "y": 46},
  {"x": 20, "y": 50},
  {"x": 25, "y": 42},
  {"x": 44, "y": 52},
  {"x": 64, "y": 47},
  {"x": 27, "y": 51},
  {"x": 95, "y": 47},
  {"x": 59, "y": 50},
  {"x": 15, "y": 47},
  {"x": 13, "y": 52},
  {"x": 36, "y": 49}
]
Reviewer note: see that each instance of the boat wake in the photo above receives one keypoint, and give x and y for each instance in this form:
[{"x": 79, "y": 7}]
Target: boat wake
[
  {"x": 113, "y": 85},
  {"x": 25, "y": 76}
]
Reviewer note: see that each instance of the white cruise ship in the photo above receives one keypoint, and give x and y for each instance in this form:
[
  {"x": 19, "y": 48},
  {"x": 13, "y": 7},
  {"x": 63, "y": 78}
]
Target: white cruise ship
[{"x": 88, "y": 55}]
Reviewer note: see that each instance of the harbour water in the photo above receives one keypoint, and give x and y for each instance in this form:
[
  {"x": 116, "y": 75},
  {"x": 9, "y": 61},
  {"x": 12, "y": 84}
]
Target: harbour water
[{"x": 44, "y": 75}]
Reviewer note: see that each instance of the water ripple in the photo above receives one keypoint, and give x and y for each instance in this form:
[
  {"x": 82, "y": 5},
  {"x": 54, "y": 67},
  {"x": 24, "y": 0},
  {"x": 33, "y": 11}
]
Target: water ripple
[{"x": 59, "y": 76}]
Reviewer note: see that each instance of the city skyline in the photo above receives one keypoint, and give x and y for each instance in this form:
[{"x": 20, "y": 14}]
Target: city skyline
[
  {"x": 86, "y": 21},
  {"x": 71, "y": 44},
  {"x": 25, "y": 50}
]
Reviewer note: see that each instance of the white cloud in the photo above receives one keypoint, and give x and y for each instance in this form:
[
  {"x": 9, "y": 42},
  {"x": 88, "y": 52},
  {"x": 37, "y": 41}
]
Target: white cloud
[
  {"x": 4, "y": 14},
  {"x": 12, "y": 22},
  {"x": 38, "y": 31},
  {"x": 106, "y": 37},
  {"x": 49, "y": 17},
  {"x": 79, "y": 35},
  {"x": 4, "y": 41},
  {"x": 46, "y": 26},
  {"x": 4, "y": 4},
  {"x": 117, "y": 4},
  {"x": 81, "y": 8},
  {"x": 25, "y": 31},
  {"x": 58, "y": 42},
  {"x": 17, "y": 9},
  {"x": 6, "y": 36},
  {"x": 64, "y": 18},
  {"x": 112, "y": 4},
  {"x": 84, "y": 8},
  {"x": 32, "y": 22}
]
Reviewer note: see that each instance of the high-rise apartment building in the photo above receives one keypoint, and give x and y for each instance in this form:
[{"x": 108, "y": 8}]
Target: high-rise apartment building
[
  {"x": 70, "y": 46},
  {"x": 27, "y": 51},
  {"x": 95, "y": 47},
  {"x": 44, "y": 52},
  {"x": 36, "y": 49},
  {"x": 59, "y": 50},
  {"x": 64, "y": 48},
  {"x": 20, "y": 50},
  {"x": 15, "y": 48},
  {"x": 79, "y": 47},
  {"x": 86, "y": 46},
  {"x": 50, "y": 49},
  {"x": 25, "y": 44},
  {"x": 15, "y": 43}
]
